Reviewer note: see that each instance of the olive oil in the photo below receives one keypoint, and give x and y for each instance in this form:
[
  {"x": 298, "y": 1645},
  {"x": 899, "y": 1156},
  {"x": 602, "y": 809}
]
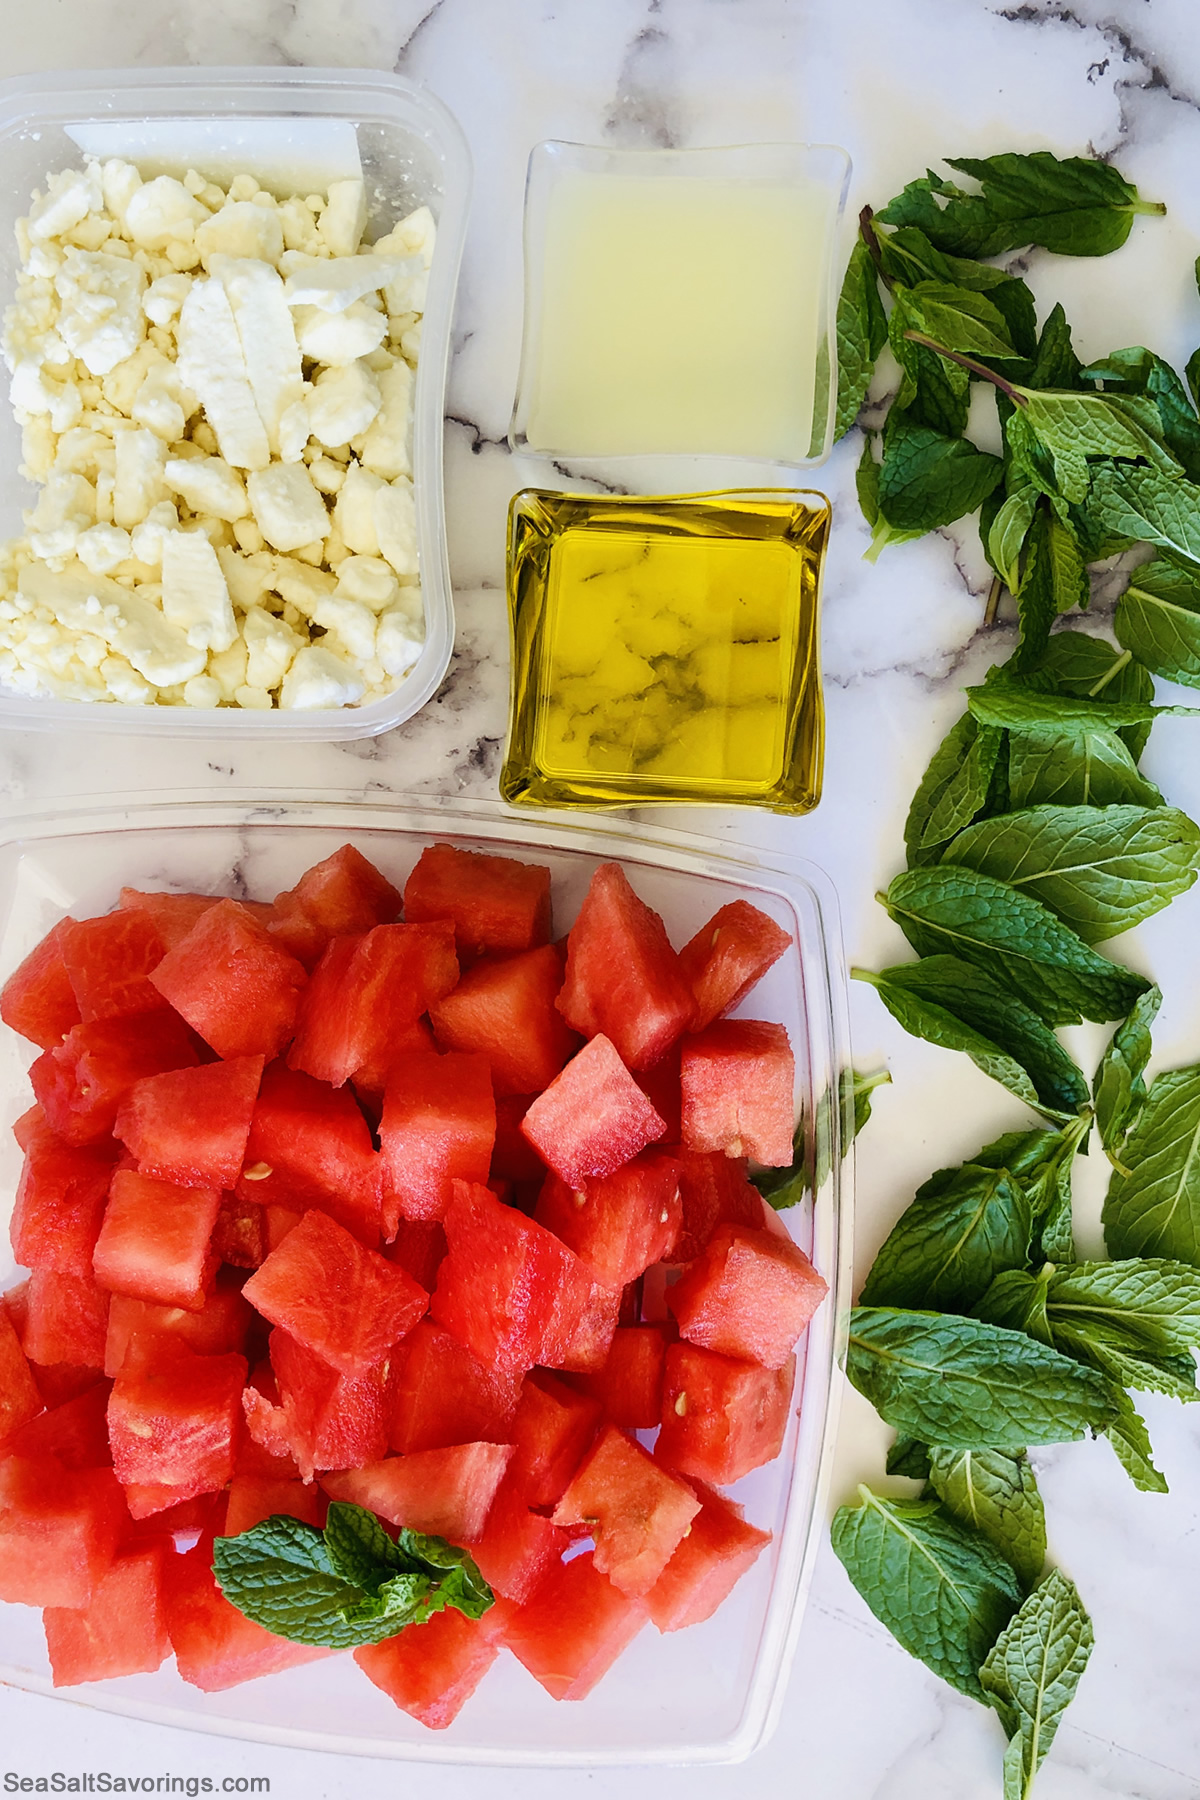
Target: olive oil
[{"x": 665, "y": 650}]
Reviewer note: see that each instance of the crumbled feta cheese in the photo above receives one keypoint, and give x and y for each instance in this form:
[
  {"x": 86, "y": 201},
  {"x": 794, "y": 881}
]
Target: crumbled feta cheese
[
  {"x": 208, "y": 484},
  {"x": 65, "y": 507},
  {"x": 333, "y": 285},
  {"x": 413, "y": 236},
  {"x": 341, "y": 337},
  {"x": 343, "y": 403},
  {"x": 354, "y": 511},
  {"x": 396, "y": 525},
  {"x": 241, "y": 228},
  {"x": 270, "y": 647},
  {"x": 33, "y": 391},
  {"x": 287, "y": 508},
  {"x": 101, "y": 547},
  {"x": 140, "y": 460},
  {"x": 202, "y": 691},
  {"x": 387, "y": 449},
  {"x": 121, "y": 182},
  {"x": 318, "y": 678},
  {"x": 148, "y": 536},
  {"x": 159, "y": 403},
  {"x": 344, "y": 217},
  {"x": 398, "y": 641},
  {"x": 70, "y": 197},
  {"x": 164, "y": 297},
  {"x": 194, "y": 594},
  {"x": 369, "y": 580},
  {"x": 211, "y": 363},
  {"x": 162, "y": 212},
  {"x": 268, "y": 337},
  {"x": 101, "y": 319},
  {"x": 351, "y": 622}
]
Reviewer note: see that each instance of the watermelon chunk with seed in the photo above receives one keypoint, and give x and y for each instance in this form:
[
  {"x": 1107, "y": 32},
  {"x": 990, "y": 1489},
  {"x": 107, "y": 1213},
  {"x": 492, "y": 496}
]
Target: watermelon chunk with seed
[
  {"x": 621, "y": 1223},
  {"x": 708, "y": 1562},
  {"x": 737, "y": 1079},
  {"x": 495, "y": 902},
  {"x": 636, "y": 1511},
  {"x": 309, "y": 1145},
  {"x": 222, "y": 1324},
  {"x": 173, "y": 1420},
  {"x": 37, "y": 1000},
  {"x": 630, "y": 1385},
  {"x": 231, "y": 981},
  {"x": 623, "y": 979},
  {"x": 190, "y": 1125},
  {"x": 728, "y": 956},
  {"x": 81, "y": 1082},
  {"x": 722, "y": 1417},
  {"x": 592, "y": 1118}
]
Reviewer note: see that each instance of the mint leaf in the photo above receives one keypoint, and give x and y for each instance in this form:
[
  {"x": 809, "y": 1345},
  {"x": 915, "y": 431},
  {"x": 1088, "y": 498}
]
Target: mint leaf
[
  {"x": 1041, "y": 1161},
  {"x": 1147, "y": 506},
  {"x": 1154, "y": 1208},
  {"x": 1152, "y": 1304},
  {"x": 1086, "y": 766},
  {"x": 280, "y": 1575},
  {"x": 1031, "y": 1675},
  {"x": 908, "y": 1458},
  {"x": 1075, "y": 428},
  {"x": 1102, "y": 869},
  {"x": 947, "y": 1001},
  {"x": 953, "y": 789},
  {"x": 1014, "y": 938},
  {"x": 1017, "y": 1300},
  {"x": 861, "y": 335},
  {"x": 1120, "y": 1092},
  {"x": 1129, "y": 1438},
  {"x": 1158, "y": 619},
  {"x": 995, "y": 1493},
  {"x": 1108, "y": 1349},
  {"x": 929, "y": 479},
  {"x": 942, "y": 1590},
  {"x": 945, "y": 1250},
  {"x": 1009, "y": 529},
  {"x": 968, "y": 1385},
  {"x": 1088, "y": 668},
  {"x": 1055, "y": 364},
  {"x": 1005, "y": 705},
  {"x": 1139, "y": 371},
  {"x": 957, "y": 317},
  {"x": 786, "y": 1187}
]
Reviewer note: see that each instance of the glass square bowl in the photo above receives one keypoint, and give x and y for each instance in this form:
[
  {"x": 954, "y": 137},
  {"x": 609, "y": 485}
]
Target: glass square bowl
[
  {"x": 666, "y": 649},
  {"x": 706, "y": 1694},
  {"x": 412, "y": 154}
]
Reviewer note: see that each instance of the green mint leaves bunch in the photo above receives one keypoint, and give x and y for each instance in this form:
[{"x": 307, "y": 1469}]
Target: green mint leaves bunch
[{"x": 350, "y": 1584}]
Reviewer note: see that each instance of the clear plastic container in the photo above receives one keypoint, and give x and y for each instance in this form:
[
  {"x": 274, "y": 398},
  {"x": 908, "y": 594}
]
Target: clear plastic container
[
  {"x": 412, "y": 154},
  {"x": 706, "y": 1694}
]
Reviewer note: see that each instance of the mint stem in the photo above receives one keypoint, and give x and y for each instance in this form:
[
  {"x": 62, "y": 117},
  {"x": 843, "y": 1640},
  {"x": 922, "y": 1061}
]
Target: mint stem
[
  {"x": 993, "y": 601},
  {"x": 1015, "y": 394},
  {"x": 870, "y": 238}
]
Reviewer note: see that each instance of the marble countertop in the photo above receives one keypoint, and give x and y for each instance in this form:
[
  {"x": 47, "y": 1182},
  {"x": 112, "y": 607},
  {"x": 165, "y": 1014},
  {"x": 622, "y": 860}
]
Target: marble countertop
[{"x": 899, "y": 83}]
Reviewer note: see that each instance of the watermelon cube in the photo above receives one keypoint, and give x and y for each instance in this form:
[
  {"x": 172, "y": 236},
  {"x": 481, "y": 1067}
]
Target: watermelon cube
[
  {"x": 573, "y": 1628},
  {"x": 80, "y": 1084},
  {"x": 59, "y": 1530},
  {"x": 75, "y": 1433},
  {"x": 215, "y": 1645},
  {"x": 636, "y": 1511},
  {"x": 172, "y": 915},
  {"x": 253, "y": 1498},
  {"x": 309, "y": 1145},
  {"x": 519, "y": 1548},
  {"x": 630, "y": 1385},
  {"x": 20, "y": 1400},
  {"x": 592, "y": 1118},
  {"x": 440, "y": 1394},
  {"x": 341, "y": 897},
  {"x": 221, "y": 1325},
  {"x": 60, "y": 1202},
  {"x": 737, "y": 1078},
  {"x": 722, "y": 1417},
  {"x": 494, "y": 902},
  {"x": 109, "y": 960},
  {"x": 37, "y": 1000},
  {"x": 727, "y": 957},
  {"x": 346, "y": 1304},
  {"x": 325, "y": 1419},
  {"x": 419, "y": 1246},
  {"x": 121, "y": 1632},
  {"x": 154, "y": 1242},
  {"x": 431, "y": 1670},
  {"x": 173, "y": 1420},
  {"x": 446, "y": 1493},
  {"x": 190, "y": 1125},
  {"x": 66, "y": 1320},
  {"x": 364, "y": 998},
  {"x": 748, "y": 1294},
  {"x": 551, "y": 1433},
  {"x": 623, "y": 979},
  {"x": 579, "y": 1331},
  {"x": 233, "y": 983},
  {"x": 438, "y": 1126},
  {"x": 714, "y": 1555},
  {"x": 513, "y": 1156},
  {"x": 504, "y": 1009},
  {"x": 621, "y": 1223},
  {"x": 714, "y": 1190}
]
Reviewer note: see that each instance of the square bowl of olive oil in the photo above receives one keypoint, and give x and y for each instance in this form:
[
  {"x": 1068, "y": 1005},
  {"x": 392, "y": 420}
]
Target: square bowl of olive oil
[{"x": 665, "y": 649}]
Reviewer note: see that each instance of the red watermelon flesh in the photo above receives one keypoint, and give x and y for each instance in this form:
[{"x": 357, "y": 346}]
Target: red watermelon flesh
[
  {"x": 749, "y": 1294},
  {"x": 623, "y": 979},
  {"x": 341, "y": 897},
  {"x": 722, "y": 1417},
  {"x": 581, "y": 1326},
  {"x": 81, "y": 1083},
  {"x": 221, "y": 1325},
  {"x": 122, "y": 1631},
  {"x": 446, "y": 1493},
  {"x": 59, "y": 1530},
  {"x": 346, "y": 1304},
  {"x": 60, "y": 1202},
  {"x": 154, "y": 1242},
  {"x": 233, "y": 983},
  {"x": 620, "y": 1224},
  {"x": 439, "y": 1394},
  {"x": 513, "y": 1156},
  {"x": 253, "y": 1498},
  {"x": 431, "y": 1670},
  {"x": 661, "y": 1088},
  {"x": 709, "y": 1561},
  {"x": 519, "y": 1548},
  {"x": 592, "y": 1118},
  {"x": 504, "y": 1009},
  {"x": 173, "y": 1421},
  {"x": 190, "y": 1125},
  {"x": 37, "y": 1000},
  {"x": 75, "y": 1434},
  {"x": 364, "y": 998},
  {"x": 215, "y": 1645},
  {"x": 573, "y": 1628},
  {"x": 728, "y": 956},
  {"x": 326, "y": 1420},
  {"x": 737, "y": 1080},
  {"x": 20, "y": 1400},
  {"x": 715, "y": 1190},
  {"x": 438, "y": 1126},
  {"x": 239, "y": 1235},
  {"x": 66, "y": 1320},
  {"x": 173, "y": 915},
  {"x": 553, "y": 1427},
  {"x": 309, "y": 1145},
  {"x": 630, "y": 1385},
  {"x": 109, "y": 960},
  {"x": 636, "y": 1511},
  {"x": 495, "y": 903},
  {"x": 419, "y": 1246}
]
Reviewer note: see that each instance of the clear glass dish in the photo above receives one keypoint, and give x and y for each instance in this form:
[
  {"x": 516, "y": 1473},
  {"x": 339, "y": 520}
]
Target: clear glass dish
[
  {"x": 412, "y": 154},
  {"x": 680, "y": 302},
  {"x": 703, "y": 1695}
]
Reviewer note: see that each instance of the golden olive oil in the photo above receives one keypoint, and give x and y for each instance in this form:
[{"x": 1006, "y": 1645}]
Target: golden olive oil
[{"x": 666, "y": 650}]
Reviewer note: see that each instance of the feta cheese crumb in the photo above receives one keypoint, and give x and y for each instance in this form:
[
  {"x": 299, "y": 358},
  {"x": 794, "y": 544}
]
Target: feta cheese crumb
[
  {"x": 194, "y": 594},
  {"x": 211, "y": 363},
  {"x": 343, "y": 403},
  {"x": 318, "y": 678},
  {"x": 209, "y": 485},
  {"x": 287, "y": 508},
  {"x": 101, "y": 319}
]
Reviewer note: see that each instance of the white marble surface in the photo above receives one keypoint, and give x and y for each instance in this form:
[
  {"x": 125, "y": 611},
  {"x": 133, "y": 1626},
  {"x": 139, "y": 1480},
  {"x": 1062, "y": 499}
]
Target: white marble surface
[{"x": 898, "y": 82}]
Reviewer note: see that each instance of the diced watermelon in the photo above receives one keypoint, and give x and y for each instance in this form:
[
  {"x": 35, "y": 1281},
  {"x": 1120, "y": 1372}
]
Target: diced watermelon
[
  {"x": 75, "y": 1434},
  {"x": 722, "y": 1417},
  {"x": 431, "y": 1670},
  {"x": 59, "y": 1382},
  {"x": 122, "y": 1631},
  {"x": 504, "y": 1009},
  {"x": 438, "y": 1126},
  {"x": 109, "y": 960},
  {"x": 620, "y": 1224},
  {"x": 439, "y": 1394},
  {"x": 255, "y": 1498},
  {"x": 636, "y": 1511},
  {"x": 66, "y": 1321},
  {"x": 239, "y": 1235},
  {"x": 325, "y": 1420},
  {"x": 59, "y": 1531},
  {"x": 172, "y": 915},
  {"x": 19, "y": 1397},
  {"x": 173, "y": 1422},
  {"x": 447, "y": 1493},
  {"x": 661, "y": 1088},
  {"x": 580, "y": 1328},
  {"x": 630, "y": 1385},
  {"x": 233, "y": 983},
  {"x": 221, "y": 1325},
  {"x": 347, "y": 1304},
  {"x": 154, "y": 1242},
  {"x": 552, "y": 1430},
  {"x": 573, "y": 1628},
  {"x": 419, "y": 1246},
  {"x": 309, "y": 1145},
  {"x": 715, "y": 1190},
  {"x": 38, "y": 1000},
  {"x": 495, "y": 902},
  {"x": 592, "y": 1118},
  {"x": 749, "y": 1294},
  {"x": 365, "y": 996},
  {"x": 513, "y": 1156},
  {"x": 30, "y": 1125},
  {"x": 340, "y": 897},
  {"x": 81, "y": 1083},
  {"x": 710, "y": 1559},
  {"x": 215, "y": 1645},
  {"x": 518, "y": 1548},
  {"x": 728, "y": 956},
  {"x": 737, "y": 1078},
  {"x": 60, "y": 1203},
  {"x": 623, "y": 979},
  {"x": 190, "y": 1125}
]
